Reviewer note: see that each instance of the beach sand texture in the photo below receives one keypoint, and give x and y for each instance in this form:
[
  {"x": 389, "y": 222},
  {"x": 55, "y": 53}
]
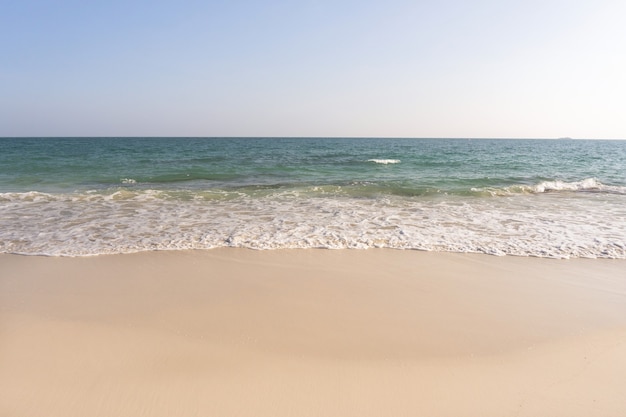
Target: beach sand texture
[{"x": 234, "y": 332}]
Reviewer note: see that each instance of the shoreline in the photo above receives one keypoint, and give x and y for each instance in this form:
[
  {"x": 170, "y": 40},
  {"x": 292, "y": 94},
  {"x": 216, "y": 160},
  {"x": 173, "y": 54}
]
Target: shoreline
[{"x": 311, "y": 332}]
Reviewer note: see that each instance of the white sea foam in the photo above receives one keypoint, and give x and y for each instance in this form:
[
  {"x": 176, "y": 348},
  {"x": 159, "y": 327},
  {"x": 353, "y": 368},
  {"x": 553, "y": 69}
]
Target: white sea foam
[
  {"x": 128, "y": 181},
  {"x": 586, "y": 185},
  {"x": 545, "y": 224},
  {"x": 384, "y": 161}
]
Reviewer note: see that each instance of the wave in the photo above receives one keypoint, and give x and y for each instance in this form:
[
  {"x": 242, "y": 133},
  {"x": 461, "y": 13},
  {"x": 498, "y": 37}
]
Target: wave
[
  {"x": 371, "y": 190},
  {"x": 384, "y": 161},
  {"x": 586, "y": 185},
  {"x": 120, "y": 194}
]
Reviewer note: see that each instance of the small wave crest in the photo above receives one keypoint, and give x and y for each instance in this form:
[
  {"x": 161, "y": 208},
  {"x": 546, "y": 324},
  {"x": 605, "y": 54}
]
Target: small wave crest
[
  {"x": 384, "y": 161},
  {"x": 586, "y": 185},
  {"x": 32, "y": 196}
]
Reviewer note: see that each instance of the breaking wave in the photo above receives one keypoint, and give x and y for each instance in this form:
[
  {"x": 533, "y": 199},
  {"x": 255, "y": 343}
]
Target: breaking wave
[
  {"x": 384, "y": 161},
  {"x": 586, "y": 185}
]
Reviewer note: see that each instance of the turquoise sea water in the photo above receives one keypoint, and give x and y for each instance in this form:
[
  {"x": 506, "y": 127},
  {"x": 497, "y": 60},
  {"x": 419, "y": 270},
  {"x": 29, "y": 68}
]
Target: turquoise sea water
[{"x": 88, "y": 196}]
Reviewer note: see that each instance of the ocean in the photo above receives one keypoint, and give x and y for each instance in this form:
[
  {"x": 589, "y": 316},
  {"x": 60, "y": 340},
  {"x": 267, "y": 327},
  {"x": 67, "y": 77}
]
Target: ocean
[{"x": 92, "y": 196}]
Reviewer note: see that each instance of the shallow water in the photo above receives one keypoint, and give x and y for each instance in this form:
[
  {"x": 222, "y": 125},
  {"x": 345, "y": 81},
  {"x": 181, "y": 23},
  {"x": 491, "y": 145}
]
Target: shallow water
[{"x": 88, "y": 196}]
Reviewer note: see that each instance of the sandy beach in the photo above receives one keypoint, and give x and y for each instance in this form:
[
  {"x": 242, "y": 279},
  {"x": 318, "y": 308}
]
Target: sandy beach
[{"x": 232, "y": 332}]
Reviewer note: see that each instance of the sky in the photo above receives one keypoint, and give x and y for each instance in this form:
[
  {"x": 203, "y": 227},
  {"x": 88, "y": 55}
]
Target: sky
[{"x": 394, "y": 68}]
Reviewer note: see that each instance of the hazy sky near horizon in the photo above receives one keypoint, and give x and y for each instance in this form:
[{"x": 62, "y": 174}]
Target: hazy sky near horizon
[{"x": 448, "y": 68}]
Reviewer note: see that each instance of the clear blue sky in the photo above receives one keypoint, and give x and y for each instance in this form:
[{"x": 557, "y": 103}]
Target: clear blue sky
[{"x": 447, "y": 68}]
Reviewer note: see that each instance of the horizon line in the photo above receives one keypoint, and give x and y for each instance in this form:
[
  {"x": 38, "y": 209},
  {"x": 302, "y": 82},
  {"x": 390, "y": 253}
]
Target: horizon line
[{"x": 297, "y": 137}]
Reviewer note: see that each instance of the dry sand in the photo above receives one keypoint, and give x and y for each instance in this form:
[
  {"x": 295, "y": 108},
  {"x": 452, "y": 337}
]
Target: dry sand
[{"x": 311, "y": 333}]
